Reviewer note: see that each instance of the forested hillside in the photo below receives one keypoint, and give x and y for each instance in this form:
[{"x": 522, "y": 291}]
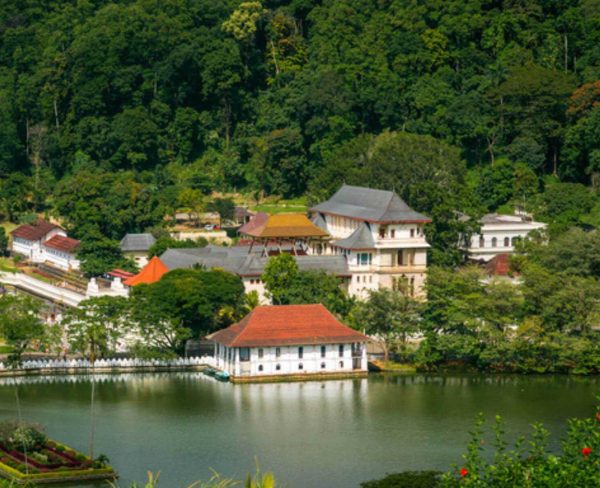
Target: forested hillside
[{"x": 114, "y": 113}]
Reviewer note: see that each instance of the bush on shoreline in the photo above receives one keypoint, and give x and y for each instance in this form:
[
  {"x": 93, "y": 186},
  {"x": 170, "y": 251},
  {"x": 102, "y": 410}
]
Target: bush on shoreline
[{"x": 576, "y": 465}]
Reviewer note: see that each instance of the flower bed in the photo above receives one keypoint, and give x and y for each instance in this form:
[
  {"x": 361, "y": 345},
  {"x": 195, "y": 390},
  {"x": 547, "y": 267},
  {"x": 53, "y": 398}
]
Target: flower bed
[{"x": 27, "y": 456}]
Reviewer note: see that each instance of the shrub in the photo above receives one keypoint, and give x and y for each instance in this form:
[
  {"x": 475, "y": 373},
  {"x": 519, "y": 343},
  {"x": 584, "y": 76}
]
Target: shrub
[
  {"x": 407, "y": 479},
  {"x": 576, "y": 466}
]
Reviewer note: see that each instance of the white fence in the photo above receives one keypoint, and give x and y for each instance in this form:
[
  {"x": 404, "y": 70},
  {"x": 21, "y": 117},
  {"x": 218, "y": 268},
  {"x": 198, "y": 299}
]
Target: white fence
[{"x": 83, "y": 365}]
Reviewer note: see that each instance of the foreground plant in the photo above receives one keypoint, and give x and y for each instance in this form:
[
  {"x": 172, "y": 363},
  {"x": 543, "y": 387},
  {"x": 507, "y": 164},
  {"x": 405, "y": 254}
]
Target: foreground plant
[
  {"x": 578, "y": 464},
  {"x": 259, "y": 480}
]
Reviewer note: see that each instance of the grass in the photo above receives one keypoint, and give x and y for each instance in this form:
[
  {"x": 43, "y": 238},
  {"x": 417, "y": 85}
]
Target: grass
[
  {"x": 8, "y": 226},
  {"x": 393, "y": 367},
  {"x": 277, "y": 208},
  {"x": 7, "y": 264},
  {"x": 5, "y": 349}
]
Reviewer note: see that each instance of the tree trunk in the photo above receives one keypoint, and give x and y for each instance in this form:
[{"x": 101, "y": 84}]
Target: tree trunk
[
  {"x": 566, "y": 52},
  {"x": 20, "y": 418},
  {"x": 56, "y": 115},
  {"x": 92, "y": 414}
]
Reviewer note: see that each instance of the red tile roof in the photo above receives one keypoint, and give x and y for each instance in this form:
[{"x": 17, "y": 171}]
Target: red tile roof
[
  {"x": 35, "y": 231},
  {"x": 259, "y": 220},
  {"x": 281, "y": 325},
  {"x": 120, "y": 273},
  {"x": 151, "y": 273},
  {"x": 499, "y": 265},
  {"x": 62, "y": 243}
]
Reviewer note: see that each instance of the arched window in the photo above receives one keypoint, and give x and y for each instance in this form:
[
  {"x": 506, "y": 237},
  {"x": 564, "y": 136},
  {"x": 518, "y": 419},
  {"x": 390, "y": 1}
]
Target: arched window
[
  {"x": 278, "y": 367},
  {"x": 494, "y": 242},
  {"x": 300, "y": 366},
  {"x": 506, "y": 242},
  {"x": 260, "y": 367},
  {"x": 481, "y": 241},
  {"x": 322, "y": 365}
]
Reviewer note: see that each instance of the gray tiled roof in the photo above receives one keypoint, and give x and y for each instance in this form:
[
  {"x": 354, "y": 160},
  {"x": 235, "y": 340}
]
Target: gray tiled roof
[
  {"x": 369, "y": 204},
  {"x": 238, "y": 260},
  {"x": 361, "y": 238},
  {"x": 137, "y": 242},
  {"x": 319, "y": 221},
  {"x": 503, "y": 219}
]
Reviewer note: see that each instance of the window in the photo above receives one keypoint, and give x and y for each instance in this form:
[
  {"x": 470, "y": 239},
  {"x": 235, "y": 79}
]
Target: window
[
  {"x": 244, "y": 354},
  {"x": 300, "y": 352},
  {"x": 412, "y": 232},
  {"x": 370, "y": 278},
  {"x": 300, "y": 366},
  {"x": 278, "y": 367},
  {"x": 260, "y": 367},
  {"x": 400, "y": 258},
  {"x": 382, "y": 232},
  {"x": 322, "y": 365},
  {"x": 494, "y": 242},
  {"x": 218, "y": 348},
  {"x": 393, "y": 233},
  {"x": 341, "y": 364},
  {"x": 514, "y": 240},
  {"x": 506, "y": 242},
  {"x": 364, "y": 258},
  {"x": 341, "y": 350},
  {"x": 481, "y": 242},
  {"x": 323, "y": 351},
  {"x": 278, "y": 352},
  {"x": 260, "y": 353}
]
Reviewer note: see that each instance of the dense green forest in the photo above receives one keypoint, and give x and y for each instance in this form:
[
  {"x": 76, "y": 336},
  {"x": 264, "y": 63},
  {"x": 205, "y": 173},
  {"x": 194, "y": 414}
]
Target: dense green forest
[{"x": 114, "y": 113}]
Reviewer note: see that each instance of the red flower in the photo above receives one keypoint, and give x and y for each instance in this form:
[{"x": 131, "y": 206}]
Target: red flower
[
  {"x": 598, "y": 416},
  {"x": 586, "y": 451},
  {"x": 464, "y": 472}
]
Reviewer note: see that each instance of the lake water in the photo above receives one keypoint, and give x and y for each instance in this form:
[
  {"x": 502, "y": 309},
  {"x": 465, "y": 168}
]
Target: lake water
[{"x": 331, "y": 434}]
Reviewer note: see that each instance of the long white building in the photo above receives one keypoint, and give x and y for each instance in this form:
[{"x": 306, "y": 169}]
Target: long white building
[
  {"x": 44, "y": 242},
  {"x": 381, "y": 237},
  {"x": 289, "y": 340}
]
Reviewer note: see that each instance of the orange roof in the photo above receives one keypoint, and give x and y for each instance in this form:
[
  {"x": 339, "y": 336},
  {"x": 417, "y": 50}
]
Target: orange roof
[
  {"x": 151, "y": 273},
  {"x": 283, "y": 225},
  {"x": 280, "y": 325}
]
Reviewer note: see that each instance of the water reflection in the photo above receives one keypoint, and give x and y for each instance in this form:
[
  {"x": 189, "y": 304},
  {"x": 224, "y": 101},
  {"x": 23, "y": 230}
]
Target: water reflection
[{"x": 341, "y": 431}]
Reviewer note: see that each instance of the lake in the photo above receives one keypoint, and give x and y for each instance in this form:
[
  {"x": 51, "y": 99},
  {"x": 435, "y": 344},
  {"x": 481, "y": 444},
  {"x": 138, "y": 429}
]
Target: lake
[{"x": 331, "y": 434}]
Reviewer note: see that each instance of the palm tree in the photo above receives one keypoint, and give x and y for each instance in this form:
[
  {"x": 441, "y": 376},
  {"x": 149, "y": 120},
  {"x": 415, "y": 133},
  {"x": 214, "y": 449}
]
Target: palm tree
[{"x": 93, "y": 330}]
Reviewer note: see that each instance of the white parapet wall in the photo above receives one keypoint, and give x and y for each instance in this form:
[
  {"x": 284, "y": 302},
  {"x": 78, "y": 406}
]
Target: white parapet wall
[
  {"x": 42, "y": 289},
  {"x": 79, "y": 366}
]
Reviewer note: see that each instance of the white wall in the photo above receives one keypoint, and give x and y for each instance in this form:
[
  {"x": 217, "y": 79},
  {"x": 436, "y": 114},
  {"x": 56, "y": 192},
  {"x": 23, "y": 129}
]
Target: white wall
[
  {"x": 499, "y": 232},
  {"x": 289, "y": 360},
  {"x": 60, "y": 259}
]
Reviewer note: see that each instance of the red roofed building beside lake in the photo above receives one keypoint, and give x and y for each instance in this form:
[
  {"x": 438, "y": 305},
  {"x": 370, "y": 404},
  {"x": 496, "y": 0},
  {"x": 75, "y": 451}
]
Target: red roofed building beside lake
[{"x": 293, "y": 340}]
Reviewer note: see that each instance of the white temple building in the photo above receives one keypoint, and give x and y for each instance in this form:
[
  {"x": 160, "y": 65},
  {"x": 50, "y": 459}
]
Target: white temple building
[{"x": 289, "y": 340}]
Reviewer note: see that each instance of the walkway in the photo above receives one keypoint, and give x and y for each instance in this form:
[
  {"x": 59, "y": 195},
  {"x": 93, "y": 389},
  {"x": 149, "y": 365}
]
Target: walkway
[{"x": 41, "y": 289}]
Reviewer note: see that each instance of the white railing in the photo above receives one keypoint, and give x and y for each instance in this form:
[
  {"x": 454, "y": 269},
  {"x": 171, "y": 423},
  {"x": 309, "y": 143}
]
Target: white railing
[{"x": 104, "y": 364}]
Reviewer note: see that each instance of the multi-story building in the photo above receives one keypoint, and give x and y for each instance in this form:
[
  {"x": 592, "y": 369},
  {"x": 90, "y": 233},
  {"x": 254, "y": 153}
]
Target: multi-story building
[
  {"x": 381, "y": 237},
  {"x": 499, "y": 234}
]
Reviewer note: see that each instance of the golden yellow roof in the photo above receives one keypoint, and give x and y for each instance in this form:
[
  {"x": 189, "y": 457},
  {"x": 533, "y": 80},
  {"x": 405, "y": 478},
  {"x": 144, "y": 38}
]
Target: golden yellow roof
[{"x": 286, "y": 226}]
